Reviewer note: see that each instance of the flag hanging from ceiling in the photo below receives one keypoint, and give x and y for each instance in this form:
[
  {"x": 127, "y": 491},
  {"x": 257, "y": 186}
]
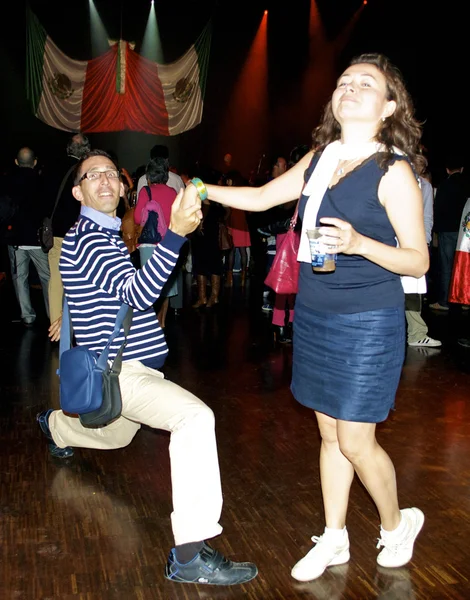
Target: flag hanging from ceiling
[
  {"x": 460, "y": 282},
  {"x": 117, "y": 91}
]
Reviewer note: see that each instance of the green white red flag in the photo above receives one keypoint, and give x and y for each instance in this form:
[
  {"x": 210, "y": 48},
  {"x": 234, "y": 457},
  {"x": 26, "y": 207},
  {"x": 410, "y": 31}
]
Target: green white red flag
[
  {"x": 460, "y": 282},
  {"x": 117, "y": 91}
]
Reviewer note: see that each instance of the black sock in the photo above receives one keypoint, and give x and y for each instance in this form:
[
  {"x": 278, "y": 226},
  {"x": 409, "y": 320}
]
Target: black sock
[{"x": 186, "y": 552}]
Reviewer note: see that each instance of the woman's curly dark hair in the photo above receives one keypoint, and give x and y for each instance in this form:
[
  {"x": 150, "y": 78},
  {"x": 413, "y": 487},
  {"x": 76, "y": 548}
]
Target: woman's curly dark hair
[{"x": 401, "y": 129}]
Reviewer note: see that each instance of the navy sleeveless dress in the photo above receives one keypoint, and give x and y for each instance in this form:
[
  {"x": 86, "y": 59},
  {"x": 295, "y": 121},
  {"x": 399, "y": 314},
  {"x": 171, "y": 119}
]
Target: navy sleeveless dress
[{"x": 349, "y": 325}]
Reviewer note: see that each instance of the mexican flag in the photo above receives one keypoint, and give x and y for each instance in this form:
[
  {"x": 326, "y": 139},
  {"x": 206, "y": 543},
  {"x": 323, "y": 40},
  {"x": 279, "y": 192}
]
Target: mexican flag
[
  {"x": 117, "y": 91},
  {"x": 460, "y": 282}
]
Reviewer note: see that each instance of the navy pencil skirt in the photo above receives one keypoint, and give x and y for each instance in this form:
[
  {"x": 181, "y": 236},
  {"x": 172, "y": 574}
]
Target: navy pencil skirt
[{"x": 348, "y": 366}]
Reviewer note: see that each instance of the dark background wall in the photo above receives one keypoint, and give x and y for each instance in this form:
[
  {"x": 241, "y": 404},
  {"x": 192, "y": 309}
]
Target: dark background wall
[{"x": 428, "y": 44}]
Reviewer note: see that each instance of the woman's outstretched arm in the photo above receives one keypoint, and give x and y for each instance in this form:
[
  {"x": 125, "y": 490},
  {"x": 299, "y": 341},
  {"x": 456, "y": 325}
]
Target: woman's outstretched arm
[{"x": 287, "y": 186}]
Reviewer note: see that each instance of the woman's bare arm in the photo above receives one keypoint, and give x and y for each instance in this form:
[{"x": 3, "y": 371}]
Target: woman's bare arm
[
  {"x": 284, "y": 188},
  {"x": 401, "y": 197}
]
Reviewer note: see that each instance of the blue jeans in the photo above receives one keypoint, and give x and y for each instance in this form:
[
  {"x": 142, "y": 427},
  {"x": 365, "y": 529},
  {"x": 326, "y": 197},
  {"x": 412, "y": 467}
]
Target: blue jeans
[
  {"x": 19, "y": 261},
  {"x": 447, "y": 243}
]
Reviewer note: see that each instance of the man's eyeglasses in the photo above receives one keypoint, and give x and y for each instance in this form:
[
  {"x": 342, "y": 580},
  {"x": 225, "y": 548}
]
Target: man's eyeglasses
[{"x": 95, "y": 175}]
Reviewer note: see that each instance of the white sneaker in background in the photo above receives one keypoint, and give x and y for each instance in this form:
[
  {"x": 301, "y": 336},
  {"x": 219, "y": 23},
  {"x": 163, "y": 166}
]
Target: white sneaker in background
[{"x": 426, "y": 342}]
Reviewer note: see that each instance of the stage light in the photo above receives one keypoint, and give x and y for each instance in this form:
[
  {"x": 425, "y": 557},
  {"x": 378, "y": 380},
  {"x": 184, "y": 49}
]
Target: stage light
[
  {"x": 246, "y": 114},
  {"x": 365, "y": 2},
  {"x": 265, "y": 12},
  {"x": 151, "y": 47},
  {"x": 98, "y": 34}
]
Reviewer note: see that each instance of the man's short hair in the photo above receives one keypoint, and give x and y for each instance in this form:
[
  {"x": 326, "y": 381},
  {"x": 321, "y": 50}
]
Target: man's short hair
[
  {"x": 159, "y": 151},
  {"x": 454, "y": 162},
  {"x": 78, "y": 145},
  {"x": 25, "y": 157},
  {"x": 78, "y": 167}
]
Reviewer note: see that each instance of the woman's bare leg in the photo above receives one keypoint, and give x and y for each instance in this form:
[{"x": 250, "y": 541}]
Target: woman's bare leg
[
  {"x": 373, "y": 466},
  {"x": 336, "y": 473}
]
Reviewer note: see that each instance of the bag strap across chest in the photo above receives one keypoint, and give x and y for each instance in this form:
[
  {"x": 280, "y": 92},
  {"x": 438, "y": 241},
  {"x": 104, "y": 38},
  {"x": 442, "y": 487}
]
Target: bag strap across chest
[{"x": 123, "y": 319}]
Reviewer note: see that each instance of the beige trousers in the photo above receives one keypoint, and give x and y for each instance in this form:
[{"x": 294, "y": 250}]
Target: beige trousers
[
  {"x": 149, "y": 399},
  {"x": 56, "y": 291}
]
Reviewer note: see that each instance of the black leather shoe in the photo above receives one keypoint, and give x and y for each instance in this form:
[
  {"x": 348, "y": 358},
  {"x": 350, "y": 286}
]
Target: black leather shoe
[
  {"x": 43, "y": 420},
  {"x": 209, "y": 567},
  {"x": 282, "y": 334}
]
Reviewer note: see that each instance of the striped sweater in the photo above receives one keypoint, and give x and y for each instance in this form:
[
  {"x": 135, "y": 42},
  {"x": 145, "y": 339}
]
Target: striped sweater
[{"x": 98, "y": 276}]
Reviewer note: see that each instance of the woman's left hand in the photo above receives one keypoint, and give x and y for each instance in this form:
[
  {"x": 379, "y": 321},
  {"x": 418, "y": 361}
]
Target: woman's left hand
[{"x": 342, "y": 237}]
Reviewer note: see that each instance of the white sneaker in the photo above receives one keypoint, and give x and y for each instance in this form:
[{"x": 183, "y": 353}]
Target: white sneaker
[
  {"x": 426, "y": 342},
  {"x": 398, "y": 548},
  {"x": 324, "y": 554}
]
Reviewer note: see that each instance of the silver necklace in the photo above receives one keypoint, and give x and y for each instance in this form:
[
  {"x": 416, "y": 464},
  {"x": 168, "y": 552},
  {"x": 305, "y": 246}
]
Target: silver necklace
[{"x": 340, "y": 171}]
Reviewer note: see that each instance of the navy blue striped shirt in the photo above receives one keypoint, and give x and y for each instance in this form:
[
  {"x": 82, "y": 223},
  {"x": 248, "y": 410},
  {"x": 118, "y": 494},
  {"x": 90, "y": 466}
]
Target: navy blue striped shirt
[{"x": 98, "y": 276}]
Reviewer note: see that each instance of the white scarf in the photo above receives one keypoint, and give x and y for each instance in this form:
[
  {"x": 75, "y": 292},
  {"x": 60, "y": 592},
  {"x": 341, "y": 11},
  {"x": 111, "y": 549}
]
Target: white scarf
[{"x": 321, "y": 178}]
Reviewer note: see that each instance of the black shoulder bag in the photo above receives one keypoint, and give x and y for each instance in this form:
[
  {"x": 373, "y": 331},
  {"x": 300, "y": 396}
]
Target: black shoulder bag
[{"x": 45, "y": 233}]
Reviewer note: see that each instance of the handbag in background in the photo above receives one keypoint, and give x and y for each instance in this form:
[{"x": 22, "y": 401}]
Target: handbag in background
[
  {"x": 225, "y": 239},
  {"x": 153, "y": 225}
]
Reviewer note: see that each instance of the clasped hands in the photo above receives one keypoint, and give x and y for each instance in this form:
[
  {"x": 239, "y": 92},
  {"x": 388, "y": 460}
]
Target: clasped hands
[{"x": 186, "y": 213}]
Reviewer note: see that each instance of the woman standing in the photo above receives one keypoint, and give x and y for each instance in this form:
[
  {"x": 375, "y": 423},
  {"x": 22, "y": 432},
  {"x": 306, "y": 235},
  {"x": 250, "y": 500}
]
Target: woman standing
[
  {"x": 238, "y": 229},
  {"x": 349, "y": 326},
  {"x": 159, "y": 197}
]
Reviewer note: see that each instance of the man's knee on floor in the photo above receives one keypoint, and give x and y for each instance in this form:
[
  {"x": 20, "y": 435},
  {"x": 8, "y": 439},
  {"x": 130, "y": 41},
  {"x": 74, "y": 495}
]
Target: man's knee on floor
[{"x": 122, "y": 437}]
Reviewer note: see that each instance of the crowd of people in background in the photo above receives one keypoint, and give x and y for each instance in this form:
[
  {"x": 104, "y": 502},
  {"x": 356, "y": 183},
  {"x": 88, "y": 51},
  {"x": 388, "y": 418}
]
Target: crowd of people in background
[{"x": 227, "y": 242}]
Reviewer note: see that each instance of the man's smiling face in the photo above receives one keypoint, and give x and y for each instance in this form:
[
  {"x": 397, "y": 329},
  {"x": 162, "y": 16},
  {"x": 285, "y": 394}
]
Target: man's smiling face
[{"x": 101, "y": 193}]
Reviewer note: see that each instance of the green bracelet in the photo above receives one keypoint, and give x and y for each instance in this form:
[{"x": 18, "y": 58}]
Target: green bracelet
[{"x": 201, "y": 188}]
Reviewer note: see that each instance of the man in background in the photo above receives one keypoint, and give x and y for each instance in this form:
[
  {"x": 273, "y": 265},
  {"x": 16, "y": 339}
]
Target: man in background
[
  {"x": 65, "y": 215},
  {"x": 417, "y": 330},
  {"x": 25, "y": 188},
  {"x": 451, "y": 196}
]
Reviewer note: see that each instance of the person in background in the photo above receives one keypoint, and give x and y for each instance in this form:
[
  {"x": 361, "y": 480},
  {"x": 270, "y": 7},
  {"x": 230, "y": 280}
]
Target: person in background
[
  {"x": 207, "y": 256},
  {"x": 417, "y": 330},
  {"x": 65, "y": 216},
  {"x": 160, "y": 151},
  {"x": 238, "y": 229},
  {"x": 451, "y": 196},
  {"x": 174, "y": 180},
  {"x": 25, "y": 187},
  {"x": 349, "y": 327},
  {"x": 271, "y": 217},
  {"x": 283, "y": 309},
  {"x": 158, "y": 196}
]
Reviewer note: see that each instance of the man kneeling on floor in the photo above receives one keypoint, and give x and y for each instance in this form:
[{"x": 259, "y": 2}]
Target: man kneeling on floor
[{"x": 98, "y": 276}]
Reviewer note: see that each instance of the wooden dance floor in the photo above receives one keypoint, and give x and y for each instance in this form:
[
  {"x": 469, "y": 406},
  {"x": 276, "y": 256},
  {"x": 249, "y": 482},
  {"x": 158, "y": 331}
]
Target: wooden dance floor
[{"x": 98, "y": 528}]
